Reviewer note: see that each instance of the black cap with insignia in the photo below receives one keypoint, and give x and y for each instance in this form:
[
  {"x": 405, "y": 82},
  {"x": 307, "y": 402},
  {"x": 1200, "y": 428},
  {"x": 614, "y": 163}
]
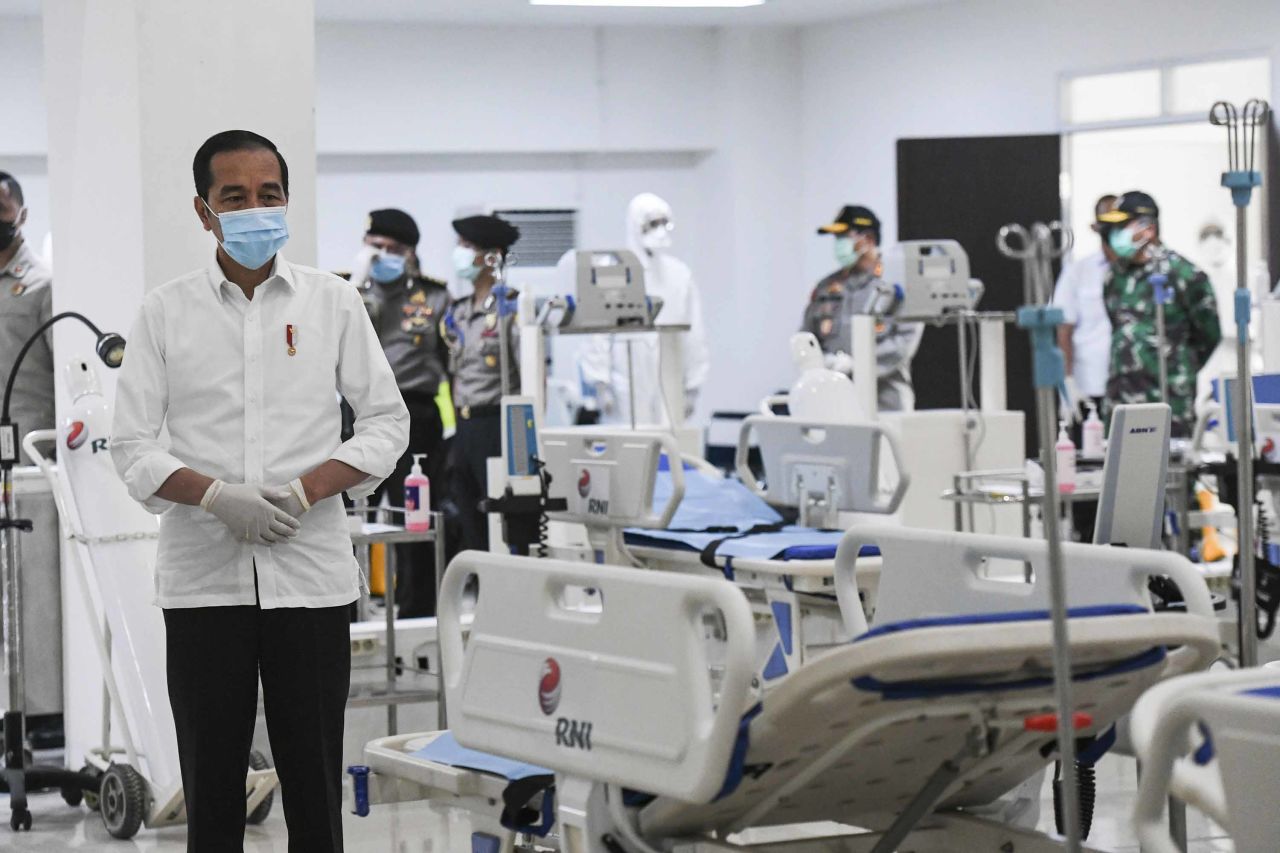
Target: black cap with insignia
[
  {"x": 1134, "y": 204},
  {"x": 854, "y": 217},
  {"x": 396, "y": 224},
  {"x": 487, "y": 232}
]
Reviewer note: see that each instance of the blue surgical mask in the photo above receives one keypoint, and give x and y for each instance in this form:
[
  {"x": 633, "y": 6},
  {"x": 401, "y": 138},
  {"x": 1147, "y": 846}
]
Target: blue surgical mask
[
  {"x": 464, "y": 263},
  {"x": 1121, "y": 240},
  {"x": 387, "y": 268},
  {"x": 252, "y": 237},
  {"x": 847, "y": 253}
]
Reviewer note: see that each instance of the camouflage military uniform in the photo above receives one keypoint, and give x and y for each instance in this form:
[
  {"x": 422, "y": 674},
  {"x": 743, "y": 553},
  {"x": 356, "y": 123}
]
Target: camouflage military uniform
[{"x": 1191, "y": 329}]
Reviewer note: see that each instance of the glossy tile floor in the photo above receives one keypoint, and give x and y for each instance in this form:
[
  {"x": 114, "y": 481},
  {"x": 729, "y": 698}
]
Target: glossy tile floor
[{"x": 408, "y": 828}]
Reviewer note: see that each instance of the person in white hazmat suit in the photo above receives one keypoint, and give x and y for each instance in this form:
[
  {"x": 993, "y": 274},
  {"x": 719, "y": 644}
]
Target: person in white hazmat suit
[{"x": 604, "y": 361}]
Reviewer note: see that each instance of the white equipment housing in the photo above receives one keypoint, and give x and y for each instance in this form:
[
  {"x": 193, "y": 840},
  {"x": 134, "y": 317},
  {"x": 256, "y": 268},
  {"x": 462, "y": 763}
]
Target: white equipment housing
[
  {"x": 607, "y": 476},
  {"x": 822, "y": 467},
  {"x": 608, "y": 292},
  {"x": 1131, "y": 504},
  {"x": 931, "y": 277}
]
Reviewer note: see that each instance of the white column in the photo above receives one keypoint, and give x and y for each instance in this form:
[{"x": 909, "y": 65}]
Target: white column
[{"x": 132, "y": 88}]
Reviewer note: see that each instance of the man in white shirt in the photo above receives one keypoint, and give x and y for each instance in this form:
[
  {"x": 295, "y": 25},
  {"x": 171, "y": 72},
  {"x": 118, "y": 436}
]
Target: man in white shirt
[
  {"x": 240, "y": 363},
  {"x": 1085, "y": 334}
]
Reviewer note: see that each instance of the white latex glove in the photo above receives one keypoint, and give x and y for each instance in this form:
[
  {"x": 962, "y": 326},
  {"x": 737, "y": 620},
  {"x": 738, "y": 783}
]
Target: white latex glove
[
  {"x": 1069, "y": 406},
  {"x": 361, "y": 264},
  {"x": 291, "y": 497},
  {"x": 248, "y": 514},
  {"x": 840, "y": 362}
]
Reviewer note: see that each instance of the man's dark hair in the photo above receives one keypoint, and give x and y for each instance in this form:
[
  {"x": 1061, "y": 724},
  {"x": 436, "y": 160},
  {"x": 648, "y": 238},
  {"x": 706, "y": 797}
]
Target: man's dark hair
[
  {"x": 231, "y": 140},
  {"x": 10, "y": 183}
]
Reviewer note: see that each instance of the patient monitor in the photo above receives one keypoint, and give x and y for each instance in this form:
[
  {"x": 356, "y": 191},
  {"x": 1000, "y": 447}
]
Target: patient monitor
[
  {"x": 1131, "y": 505},
  {"x": 608, "y": 293},
  {"x": 931, "y": 277}
]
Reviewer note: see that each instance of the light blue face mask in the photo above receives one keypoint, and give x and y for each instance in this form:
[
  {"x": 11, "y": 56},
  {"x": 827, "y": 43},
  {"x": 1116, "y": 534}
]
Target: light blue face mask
[
  {"x": 847, "y": 253},
  {"x": 387, "y": 268},
  {"x": 252, "y": 237},
  {"x": 1121, "y": 240},
  {"x": 464, "y": 263}
]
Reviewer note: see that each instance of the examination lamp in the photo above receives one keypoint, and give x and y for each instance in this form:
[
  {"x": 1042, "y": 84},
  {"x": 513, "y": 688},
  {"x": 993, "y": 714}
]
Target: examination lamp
[{"x": 110, "y": 349}]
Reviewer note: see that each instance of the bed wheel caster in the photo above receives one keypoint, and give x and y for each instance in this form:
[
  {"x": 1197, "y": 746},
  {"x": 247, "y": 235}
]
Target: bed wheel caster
[
  {"x": 20, "y": 820},
  {"x": 258, "y": 761},
  {"x": 72, "y": 796},
  {"x": 122, "y": 799}
]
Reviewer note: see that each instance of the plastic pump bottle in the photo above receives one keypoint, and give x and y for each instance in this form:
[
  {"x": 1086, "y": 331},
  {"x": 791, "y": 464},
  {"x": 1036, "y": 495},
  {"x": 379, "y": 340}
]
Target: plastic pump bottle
[
  {"x": 1091, "y": 439},
  {"x": 417, "y": 497},
  {"x": 1066, "y": 461}
]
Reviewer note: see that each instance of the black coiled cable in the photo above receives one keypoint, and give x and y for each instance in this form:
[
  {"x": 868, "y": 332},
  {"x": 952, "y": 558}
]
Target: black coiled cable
[
  {"x": 544, "y": 523},
  {"x": 1087, "y": 779}
]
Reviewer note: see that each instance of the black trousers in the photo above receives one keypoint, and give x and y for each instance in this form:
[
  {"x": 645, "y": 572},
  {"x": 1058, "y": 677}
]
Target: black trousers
[
  {"x": 477, "y": 439},
  {"x": 415, "y": 563},
  {"x": 215, "y": 657}
]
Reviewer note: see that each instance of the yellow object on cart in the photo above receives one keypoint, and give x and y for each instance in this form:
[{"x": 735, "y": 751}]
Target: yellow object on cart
[{"x": 378, "y": 568}]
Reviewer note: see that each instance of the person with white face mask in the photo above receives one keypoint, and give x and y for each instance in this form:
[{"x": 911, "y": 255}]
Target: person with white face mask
[
  {"x": 604, "y": 363},
  {"x": 472, "y": 331},
  {"x": 226, "y": 423},
  {"x": 856, "y": 288}
]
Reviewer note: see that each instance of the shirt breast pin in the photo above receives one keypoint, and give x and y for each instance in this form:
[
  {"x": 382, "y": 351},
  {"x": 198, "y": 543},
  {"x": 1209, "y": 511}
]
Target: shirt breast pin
[{"x": 291, "y": 338}]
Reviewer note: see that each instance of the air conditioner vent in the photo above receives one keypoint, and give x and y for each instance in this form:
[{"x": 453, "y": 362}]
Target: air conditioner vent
[{"x": 545, "y": 235}]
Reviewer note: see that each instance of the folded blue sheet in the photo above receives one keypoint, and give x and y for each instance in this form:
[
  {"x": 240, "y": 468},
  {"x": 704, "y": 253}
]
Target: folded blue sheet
[{"x": 446, "y": 750}]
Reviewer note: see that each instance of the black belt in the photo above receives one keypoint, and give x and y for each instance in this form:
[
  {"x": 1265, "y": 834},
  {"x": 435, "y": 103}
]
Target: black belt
[{"x": 469, "y": 413}]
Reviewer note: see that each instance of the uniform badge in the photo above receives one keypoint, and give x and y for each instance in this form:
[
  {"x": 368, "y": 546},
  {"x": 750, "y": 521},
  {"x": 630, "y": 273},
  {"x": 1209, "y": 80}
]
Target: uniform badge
[
  {"x": 825, "y": 327},
  {"x": 417, "y": 340},
  {"x": 18, "y": 289},
  {"x": 19, "y": 270},
  {"x": 408, "y": 310},
  {"x": 491, "y": 321},
  {"x": 418, "y": 298},
  {"x": 490, "y": 361},
  {"x": 291, "y": 338}
]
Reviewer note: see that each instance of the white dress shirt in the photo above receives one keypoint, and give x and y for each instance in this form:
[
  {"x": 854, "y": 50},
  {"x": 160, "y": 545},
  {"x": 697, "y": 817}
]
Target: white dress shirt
[
  {"x": 1079, "y": 295},
  {"x": 208, "y": 383}
]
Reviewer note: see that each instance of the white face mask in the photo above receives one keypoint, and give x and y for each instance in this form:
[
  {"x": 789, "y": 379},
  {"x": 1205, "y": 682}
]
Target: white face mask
[
  {"x": 1216, "y": 251},
  {"x": 464, "y": 263},
  {"x": 656, "y": 239}
]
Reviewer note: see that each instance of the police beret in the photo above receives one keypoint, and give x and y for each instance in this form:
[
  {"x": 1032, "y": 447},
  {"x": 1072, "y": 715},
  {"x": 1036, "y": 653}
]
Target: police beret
[
  {"x": 393, "y": 223},
  {"x": 487, "y": 232}
]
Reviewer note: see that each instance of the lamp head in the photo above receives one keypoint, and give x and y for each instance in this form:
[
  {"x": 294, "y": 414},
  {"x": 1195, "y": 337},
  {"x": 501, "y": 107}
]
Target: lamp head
[{"x": 111, "y": 349}]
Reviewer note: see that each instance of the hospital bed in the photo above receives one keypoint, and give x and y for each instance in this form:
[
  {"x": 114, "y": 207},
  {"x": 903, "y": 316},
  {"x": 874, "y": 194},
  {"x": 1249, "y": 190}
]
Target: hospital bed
[
  {"x": 637, "y": 723},
  {"x": 689, "y": 519},
  {"x": 1210, "y": 740}
]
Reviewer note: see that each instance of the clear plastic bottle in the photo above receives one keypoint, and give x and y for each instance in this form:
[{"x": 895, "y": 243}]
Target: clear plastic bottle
[
  {"x": 417, "y": 497},
  {"x": 1065, "y": 452}
]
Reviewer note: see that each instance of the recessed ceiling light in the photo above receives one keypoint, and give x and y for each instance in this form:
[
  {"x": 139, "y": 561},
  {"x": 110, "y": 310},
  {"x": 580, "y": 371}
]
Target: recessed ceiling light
[{"x": 680, "y": 4}]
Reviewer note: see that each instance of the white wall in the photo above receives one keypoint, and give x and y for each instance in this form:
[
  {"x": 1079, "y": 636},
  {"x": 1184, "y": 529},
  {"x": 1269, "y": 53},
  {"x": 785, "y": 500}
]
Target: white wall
[{"x": 983, "y": 67}]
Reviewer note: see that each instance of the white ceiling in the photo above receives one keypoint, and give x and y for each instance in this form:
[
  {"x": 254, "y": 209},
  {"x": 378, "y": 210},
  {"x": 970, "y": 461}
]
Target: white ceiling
[{"x": 520, "y": 13}]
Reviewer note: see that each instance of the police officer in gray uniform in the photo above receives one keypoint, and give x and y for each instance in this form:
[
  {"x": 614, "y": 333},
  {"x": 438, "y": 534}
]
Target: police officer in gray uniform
[
  {"x": 856, "y": 288},
  {"x": 472, "y": 329},
  {"x": 26, "y": 301},
  {"x": 406, "y": 308}
]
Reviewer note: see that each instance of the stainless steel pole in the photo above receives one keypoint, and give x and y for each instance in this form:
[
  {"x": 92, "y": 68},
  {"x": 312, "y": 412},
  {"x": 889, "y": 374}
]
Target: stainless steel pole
[
  {"x": 1248, "y": 628},
  {"x": 11, "y": 591}
]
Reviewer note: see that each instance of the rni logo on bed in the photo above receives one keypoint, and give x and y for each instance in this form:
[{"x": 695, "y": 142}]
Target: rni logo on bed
[
  {"x": 549, "y": 687},
  {"x": 593, "y": 506},
  {"x": 77, "y": 435}
]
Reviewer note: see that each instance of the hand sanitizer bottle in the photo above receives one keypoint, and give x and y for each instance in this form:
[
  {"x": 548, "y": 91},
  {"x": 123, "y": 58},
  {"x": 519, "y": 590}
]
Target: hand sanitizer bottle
[
  {"x": 417, "y": 497},
  {"x": 1091, "y": 440},
  {"x": 1066, "y": 461}
]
